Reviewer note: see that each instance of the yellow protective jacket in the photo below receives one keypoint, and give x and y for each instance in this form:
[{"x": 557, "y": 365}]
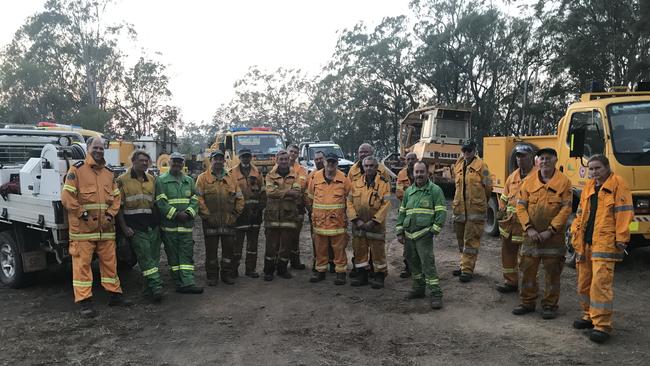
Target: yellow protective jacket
[
  {"x": 220, "y": 202},
  {"x": 254, "y": 197},
  {"x": 138, "y": 199},
  {"x": 509, "y": 226},
  {"x": 370, "y": 203},
  {"x": 90, "y": 194},
  {"x": 403, "y": 182},
  {"x": 473, "y": 187},
  {"x": 614, "y": 213},
  {"x": 544, "y": 206},
  {"x": 282, "y": 211},
  {"x": 328, "y": 203}
]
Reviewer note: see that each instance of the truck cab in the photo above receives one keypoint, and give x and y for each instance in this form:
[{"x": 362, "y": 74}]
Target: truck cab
[
  {"x": 262, "y": 142},
  {"x": 308, "y": 150}
]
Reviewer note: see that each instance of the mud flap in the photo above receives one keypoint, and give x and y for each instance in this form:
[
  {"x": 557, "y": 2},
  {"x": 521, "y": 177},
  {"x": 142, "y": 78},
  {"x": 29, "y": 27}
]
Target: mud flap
[{"x": 34, "y": 261}]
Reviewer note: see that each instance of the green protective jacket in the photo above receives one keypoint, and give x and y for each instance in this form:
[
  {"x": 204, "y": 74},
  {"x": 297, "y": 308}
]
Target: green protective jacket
[
  {"x": 423, "y": 211},
  {"x": 175, "y": 195}
]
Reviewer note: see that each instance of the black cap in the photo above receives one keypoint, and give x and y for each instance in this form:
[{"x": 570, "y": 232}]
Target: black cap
[
  {"x": 331, "y": 156},
  {"x": 524, "y": 149},
  {"x": 216, "y": 153},
  {"x": 245, "y": 151},
  {"x": 468, "y": 146},
  {"x": 546, "y": 150}
]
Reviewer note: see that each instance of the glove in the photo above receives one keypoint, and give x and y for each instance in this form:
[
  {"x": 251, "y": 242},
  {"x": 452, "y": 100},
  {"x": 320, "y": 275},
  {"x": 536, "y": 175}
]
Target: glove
[{"x": 501, "y": 214}]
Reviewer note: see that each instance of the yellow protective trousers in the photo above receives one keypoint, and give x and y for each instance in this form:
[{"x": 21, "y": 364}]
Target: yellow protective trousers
[{"x": 596, "y": 290}]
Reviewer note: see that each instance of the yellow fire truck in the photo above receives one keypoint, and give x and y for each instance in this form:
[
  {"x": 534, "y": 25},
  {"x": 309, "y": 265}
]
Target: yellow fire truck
[{"x": 262, "y": 142}]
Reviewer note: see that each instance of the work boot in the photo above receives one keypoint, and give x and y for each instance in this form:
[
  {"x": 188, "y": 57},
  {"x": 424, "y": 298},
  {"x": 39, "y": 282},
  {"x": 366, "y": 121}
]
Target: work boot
[
  {"x": 252, "y": 274},
  {"x": 296, "y": 264},
  {"x": 268, "y": 276},
  {"x": 227, "y": 278},
  {"x": 505, "y": 288},
  {"x": 283, "y": 271},
  {"x": 465, "y": 277},
  {"x": 157, "y": 296},
  {"x": 213, "y": 281},
  {"x": 406, "y": 272},
  {"x": 86, "y": 308},
  {"x": 317, "y": 277},
  {"x": 191, "y": 289},
  {"x": 361, "y": 279},
  {"x": 340, "y": 278},
  {"x": 456, "y": 272},
  {"x": 522, "y": 309},
  {"x": 415, "y": 294},
  {"x": 598, "y": 336},
  {"x": 549, "y": 313},
  {"x": 118, "y": 300},
  {"x": 583, "y": 324},
  {"x": 436, "y": 302},
  {"x": 235, "y": 270},
  {"x": 378, "y": 281}
]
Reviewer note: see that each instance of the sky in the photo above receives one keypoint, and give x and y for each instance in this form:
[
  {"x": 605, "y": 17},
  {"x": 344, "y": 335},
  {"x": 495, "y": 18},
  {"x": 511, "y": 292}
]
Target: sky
[{"x": 208, "y": 45}]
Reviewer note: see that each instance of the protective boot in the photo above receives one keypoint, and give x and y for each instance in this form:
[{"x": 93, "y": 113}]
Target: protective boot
[
  {"x": 598, "y": 336},
  {"x": 282, "y": 270},
  {"x": 355, "y": 271},
  {"x": 235, "y": 266},
  {"x": 269, "y": 268},
  {"x": 190, "y": 290},
  {"x": 378, "y": 281},
  {"x": 406, "y": 273},
  {"x": 227, "y": 277},
  {"x": 296, "y": 264},
  {"x": 436, "y": 302},
  {"x": 340, "y": 278},
  {"x": 317, "y": 277},
  {"x": 361, "y": 278},
  {"x": 118, "y": 300},
  {"x": 582, "y": 324},
  {"x": 416, "y": 293},
  {"x": 86, "y": 308}
]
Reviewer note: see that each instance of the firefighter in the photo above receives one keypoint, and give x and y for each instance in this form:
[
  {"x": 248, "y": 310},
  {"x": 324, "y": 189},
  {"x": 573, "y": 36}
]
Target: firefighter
[
  {"x": 220, "y": 204},
  {"x": 251, "y": 183},
  {"x": 509, "y": 227},
  {"x": 92, "y": 200},
  {"x": 421, "y": 216},
  {"x": 178, "y": 204},
  {"x": 473, "y": 189},
  {"x": 139, "y": 220},
  {"x": 319, "y": 164},
  {"x": 327, "y": 195},
  {"x": 356, "y": 171},
  {"x": 543, "y": 207},
  {"x": 605, "y": 204},
  {"x": 284, "y": 195},
  {"x": 294, "y": 248},
  {"x": 367, "y": 206},
  {"x": 404, "y": 180}
]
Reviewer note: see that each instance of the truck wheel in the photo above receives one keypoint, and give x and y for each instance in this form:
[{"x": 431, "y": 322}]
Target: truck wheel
[
  {"x": 11, "y": 264},
  {"x": 492, "y": 224},
  {"x": 570, "y": 256},
  {"x": 126, "y": 258}
]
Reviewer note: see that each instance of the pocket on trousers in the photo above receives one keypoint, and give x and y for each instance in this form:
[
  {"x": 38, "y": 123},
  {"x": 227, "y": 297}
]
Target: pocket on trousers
[{"x": 73, "y": 249}]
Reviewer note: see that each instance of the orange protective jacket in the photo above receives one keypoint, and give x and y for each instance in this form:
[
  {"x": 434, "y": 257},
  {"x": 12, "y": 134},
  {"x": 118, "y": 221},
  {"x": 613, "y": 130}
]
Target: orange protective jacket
[
  {"x": 90, "y": 187},
  {"x": 544, "y": 206},
  {"x": 282, "y": 211},
  {"x": 254, "y": 196},
  {"x": 510, "y": 225},
  {"x": 370, "y": 203},
  {"x": 614, "y": 213},
  {"x": 403, "y": 182},
  {"x": 473, "y": 187},
  {"x": 220, "y": 201},
  {"x": 328, "y": 203}
]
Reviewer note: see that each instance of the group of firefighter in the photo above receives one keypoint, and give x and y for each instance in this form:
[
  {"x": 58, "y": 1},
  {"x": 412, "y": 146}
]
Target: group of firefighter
[{"x": 232, "y": 204}]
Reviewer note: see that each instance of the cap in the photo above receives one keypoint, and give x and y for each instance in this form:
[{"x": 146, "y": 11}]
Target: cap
[
  {"x": 546, "y": 150},
  {"x": 524, "y": 149},
  {"x": 245, "y": 152},
  {"x": 468, "y": 146},
  {"x": 216, "y": 153},
  {"x": 176, "y": 155},
  {"x": 331, "y": 156}
]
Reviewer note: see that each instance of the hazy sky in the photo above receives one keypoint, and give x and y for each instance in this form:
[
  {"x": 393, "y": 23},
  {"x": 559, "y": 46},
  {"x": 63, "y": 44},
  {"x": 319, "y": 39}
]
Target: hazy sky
[{"x": 210, "y": 44}]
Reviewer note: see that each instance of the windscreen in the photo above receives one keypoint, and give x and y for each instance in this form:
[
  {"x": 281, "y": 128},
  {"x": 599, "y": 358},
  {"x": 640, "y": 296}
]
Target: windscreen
[
  {"x": 260, "y": 145},
  {"x": 630, "y": 124},
  {"x": 451, "y": 128}
]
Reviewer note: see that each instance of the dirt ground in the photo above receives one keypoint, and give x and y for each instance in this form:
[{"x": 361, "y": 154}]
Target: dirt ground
[{"x": 294, "y": 322}]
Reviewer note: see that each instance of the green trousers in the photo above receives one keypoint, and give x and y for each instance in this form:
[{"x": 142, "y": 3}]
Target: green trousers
[
  {"x": 179, "y": 247},
  {"x": 146, "y": 245},
  {"x": 423, "y": 264}
]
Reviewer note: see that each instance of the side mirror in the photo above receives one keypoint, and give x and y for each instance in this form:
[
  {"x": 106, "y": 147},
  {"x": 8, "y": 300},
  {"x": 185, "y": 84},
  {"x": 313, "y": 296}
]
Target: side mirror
[{"x": 577, "y": 143}]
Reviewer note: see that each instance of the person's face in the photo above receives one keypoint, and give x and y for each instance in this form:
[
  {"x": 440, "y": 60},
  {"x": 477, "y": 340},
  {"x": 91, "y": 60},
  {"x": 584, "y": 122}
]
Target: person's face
[
  {"x": 331, "y": 166},
  {"x": 469, "y": 154},
  {"x": 370, "y": 168},
  {"x": 411, "y": 159},
  {"x": 524, "y": 161},
  {"x": 141, "y": 163},
  {"x": 364, "y": 152},
  {"x": 598, "y": 171},
  {"x": 319, "y": 161},
  {"x": 97, "y": 149},
  {"x": 283, "y": 161},
  {"x": 547, "y": 162},
  {"x": 217, "y": 163},
  {"x": 176, "y": 166},
  {"x": 420, "y": 173},
  {"x": 245, "y": 159},
  {"x": 293, "y": 154}
]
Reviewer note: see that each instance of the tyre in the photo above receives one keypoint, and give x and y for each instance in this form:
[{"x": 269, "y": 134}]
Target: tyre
[
  {"x": 11, "y": 264},
  {"x": 126, "y": 258},
  {"x": 492, "y": 224},
  {"x": 570, "y": 256}
]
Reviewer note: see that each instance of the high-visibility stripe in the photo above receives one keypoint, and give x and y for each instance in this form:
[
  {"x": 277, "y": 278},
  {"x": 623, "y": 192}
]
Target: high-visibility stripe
[
  {"x": 311, "y": 196},
  {"x": 440, "y": 208},
  {"x": 380, "y": 265},
  {"x": 170, "y": 213},
  {"x": 417, "y": 276},
  {"x": 92, "y": 236},
  {"x": 329, "y": 231},
  {"x": 504, "y": 197},
  {"x": 136, "y": 211},
  {"x": 425, "y": 211},
  {"x": 191, "y": 211},
  {"x": 186, "y": 267},
  {"x": 139, "y": 196},
  {"x": 113, "y": 280},
  {"x": 402, "y": 209},
  {"x": 436, "y": 228},
  {"x": 468, "y": 250},
  {"x": 77, "y": 283},
  {"x": 605, "y": 255},
  {"x": 239, "y": 194},
  {"x": 175, "y": 268},
  {"x": 194, "y": 197},
  {"x": 321, "y": 268},
  {"x": 251, "y": 202},
  {"x": 334, "y": 206},
  {"x": 177, "y": 229},
  {"x": 509, "y": 270},
  {"x": 539, "y": 252},
  {"x": 70, "y": 188},
  {"x": 274, "y": 224},
  {"x": 399, "y": 229},
  {"x": 417, "y": 234},
  {"x": 504, "y": 232},
  {"x": 116, "y": 192},
  {"x": 149, "y": 272},
  {"x": 95, "y": 206},
  {"x": 178, "y": 201},
  {"x": 584, "y": 298},
  {"x": 161, "y": 196},
  {"x": 517, "y": 239},
  {"x": 623, "y": 208},
  {"x": 511, "y": 208},
  {"x": 601, "y": 305},
  {"x": 432, "y": 281}
]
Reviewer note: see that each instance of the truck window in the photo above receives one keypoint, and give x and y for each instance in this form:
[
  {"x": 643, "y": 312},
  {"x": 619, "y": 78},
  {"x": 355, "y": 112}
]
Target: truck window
[
  {"x": 630, "y": 127},
  {"x": 594, "y": 135},
  {"x": 228, "y": 142}
]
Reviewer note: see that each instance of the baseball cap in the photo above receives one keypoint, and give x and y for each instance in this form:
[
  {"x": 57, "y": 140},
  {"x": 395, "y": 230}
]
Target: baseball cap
[
  {"x": 245, "y": 151},
  {"x": 216, "y": 153},
  {"x": 176, "y": 155},
  {"x": 546, "y": 150},
  {"x": 331, "y": 156},
  {"x": 524, "y": 149}
]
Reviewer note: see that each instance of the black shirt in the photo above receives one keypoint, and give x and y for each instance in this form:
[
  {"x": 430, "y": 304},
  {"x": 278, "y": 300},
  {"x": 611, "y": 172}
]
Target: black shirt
[{"x": 593, "y": 206}]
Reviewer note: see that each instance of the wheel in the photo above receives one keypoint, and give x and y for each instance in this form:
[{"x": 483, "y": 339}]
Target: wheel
[
  {"x": 492, "y": 224},
  {"x": 11, "y": 271},
  {"x": 126, "y": 258},
  {"x": 570, "y": 256}
]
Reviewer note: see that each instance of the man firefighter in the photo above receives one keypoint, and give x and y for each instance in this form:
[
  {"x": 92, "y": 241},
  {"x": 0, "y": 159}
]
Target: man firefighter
[
  {"x": 92, "y": 200},
  {"x": 220, "y": 204},
  {"x": 139, "y": 220},
  {"x": 284, "y": 196},
  {"x": 600, "y": 235},
  {"x": 367, "y": 207},
  {"x": 405, "y": 179},
  {"x": 294, "y": 248},
  {"x": 510, "y": 229},
  {"x": 356, "y": 170},
  {"x": 543, "y": 207},
  {"x": 327, "y": 196},
  {"x": 421, "y": 216},
  {"x": 473, "y": 188},
  {"x": 251, "y": 183},
  {"x": 178, "y": 204},
  {"x": 319, "y": 164}
]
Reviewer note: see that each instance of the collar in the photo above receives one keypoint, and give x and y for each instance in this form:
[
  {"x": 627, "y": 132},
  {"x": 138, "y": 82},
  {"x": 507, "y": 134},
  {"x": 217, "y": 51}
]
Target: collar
[
  {"x": 274, "y": 173},
  {"x": 92, "y": 163},
  {"x": 553, "y": 183},
  {"x": 426, "y": 187},
  {"x": 608, "y": 186}
]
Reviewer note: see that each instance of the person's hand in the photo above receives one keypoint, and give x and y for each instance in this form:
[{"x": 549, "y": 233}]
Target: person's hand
[
  {"x": 293, "y": 193},
  {"x": 128, "y": 232},
  {"x": 182, "y": 217},
  {"x": 545, "y": 235},
  {"x": 621, "y": 245},
  {"x": 533, "y": 234},
  {"x": 368, "y": 226},
  {"x": 400, "y": 238}
]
